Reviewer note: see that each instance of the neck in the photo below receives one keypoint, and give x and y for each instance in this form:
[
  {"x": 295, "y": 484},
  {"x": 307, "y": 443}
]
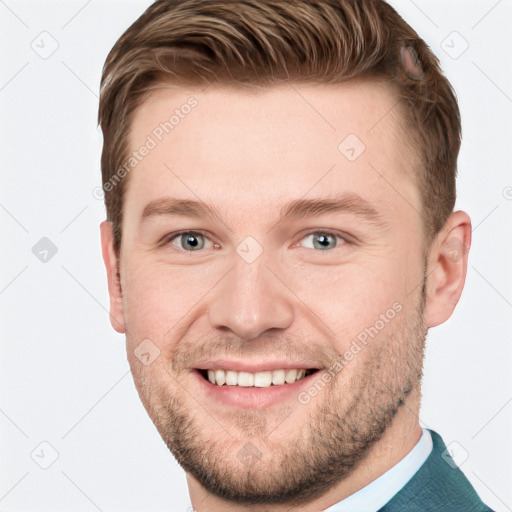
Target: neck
[{"x": 398, "y": 440}]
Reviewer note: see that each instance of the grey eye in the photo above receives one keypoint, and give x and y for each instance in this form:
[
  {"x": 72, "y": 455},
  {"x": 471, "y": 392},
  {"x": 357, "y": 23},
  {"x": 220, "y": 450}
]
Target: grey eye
[
  {"x": 322, "y": 240},
  {"x": 189, "y": 241}
]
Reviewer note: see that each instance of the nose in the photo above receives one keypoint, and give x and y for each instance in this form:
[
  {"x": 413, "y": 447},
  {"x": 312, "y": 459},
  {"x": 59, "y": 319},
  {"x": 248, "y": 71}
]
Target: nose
[{"x": 251, "y": 300}]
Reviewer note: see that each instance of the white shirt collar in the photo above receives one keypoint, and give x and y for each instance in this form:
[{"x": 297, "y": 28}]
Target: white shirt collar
[{"x": 377, "y": 493}]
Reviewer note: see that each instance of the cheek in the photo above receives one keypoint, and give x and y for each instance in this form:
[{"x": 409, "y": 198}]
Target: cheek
[
  {"x": 343, "y": 300},
  {"x": 158, "y": 296},
  {"x": 150, "y": 303}
]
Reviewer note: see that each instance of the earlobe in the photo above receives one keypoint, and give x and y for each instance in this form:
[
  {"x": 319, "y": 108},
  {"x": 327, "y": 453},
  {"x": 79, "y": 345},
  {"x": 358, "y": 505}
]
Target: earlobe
[
  {"x": 114, "y": 285},
  {"x": 447, "y": 268}
]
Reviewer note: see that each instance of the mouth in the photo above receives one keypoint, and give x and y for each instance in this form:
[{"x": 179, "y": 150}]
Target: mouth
[
  {"x": 260, "y": 390},
  {"x": 263, "y": 379}
]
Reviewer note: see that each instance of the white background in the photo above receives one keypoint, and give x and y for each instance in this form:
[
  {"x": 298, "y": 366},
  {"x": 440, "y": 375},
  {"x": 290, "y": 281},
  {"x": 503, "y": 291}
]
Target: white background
[{"x": 64, "y": 375}]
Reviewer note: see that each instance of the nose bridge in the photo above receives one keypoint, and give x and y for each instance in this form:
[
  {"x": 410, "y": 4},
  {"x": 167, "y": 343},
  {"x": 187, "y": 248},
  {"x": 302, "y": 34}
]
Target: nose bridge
[{"x": 250, "y": 300}]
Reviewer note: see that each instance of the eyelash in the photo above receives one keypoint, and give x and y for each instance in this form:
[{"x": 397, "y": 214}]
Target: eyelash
[{"x": 344, "y": 238}]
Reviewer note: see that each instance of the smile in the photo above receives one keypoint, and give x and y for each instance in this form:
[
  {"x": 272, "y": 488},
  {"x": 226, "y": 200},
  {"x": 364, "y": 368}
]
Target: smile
[
  {"x": 253, "y": 390},
  {"x": 262, "y": 379}
]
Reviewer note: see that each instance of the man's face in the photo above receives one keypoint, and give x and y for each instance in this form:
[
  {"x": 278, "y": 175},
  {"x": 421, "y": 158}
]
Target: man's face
[{"x": 254, "y": 289}]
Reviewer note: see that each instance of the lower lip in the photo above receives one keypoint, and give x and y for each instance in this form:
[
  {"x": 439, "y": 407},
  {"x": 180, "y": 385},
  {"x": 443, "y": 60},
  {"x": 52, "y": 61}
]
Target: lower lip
[{"x": 252, "y": 397}]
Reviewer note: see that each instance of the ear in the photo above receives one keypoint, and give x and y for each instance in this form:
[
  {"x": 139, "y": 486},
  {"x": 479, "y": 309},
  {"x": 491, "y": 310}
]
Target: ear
[
  {"x": 446, "y": 268},
  {"x": 114, "y": 284}
]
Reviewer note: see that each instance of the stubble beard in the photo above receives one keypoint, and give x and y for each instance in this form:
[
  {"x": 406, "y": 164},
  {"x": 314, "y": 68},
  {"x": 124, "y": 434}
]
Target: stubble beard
[{"x": 319, "y": 453}]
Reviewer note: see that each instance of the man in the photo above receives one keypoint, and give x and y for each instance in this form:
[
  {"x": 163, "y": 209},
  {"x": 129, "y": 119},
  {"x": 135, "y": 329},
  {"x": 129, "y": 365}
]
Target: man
[{"x": 279, "y": 181}]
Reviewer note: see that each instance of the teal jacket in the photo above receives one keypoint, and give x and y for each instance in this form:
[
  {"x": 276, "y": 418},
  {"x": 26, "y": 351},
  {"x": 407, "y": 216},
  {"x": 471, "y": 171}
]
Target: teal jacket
[{"x": 438, "y": 486}]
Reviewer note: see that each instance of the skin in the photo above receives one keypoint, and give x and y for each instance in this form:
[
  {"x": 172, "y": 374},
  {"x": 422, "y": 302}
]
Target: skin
[{"x": 247, "y": 154}]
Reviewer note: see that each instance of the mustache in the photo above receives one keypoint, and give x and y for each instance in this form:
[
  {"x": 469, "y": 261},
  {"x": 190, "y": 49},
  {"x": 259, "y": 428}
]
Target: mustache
[{"x": 188, "y": 352}]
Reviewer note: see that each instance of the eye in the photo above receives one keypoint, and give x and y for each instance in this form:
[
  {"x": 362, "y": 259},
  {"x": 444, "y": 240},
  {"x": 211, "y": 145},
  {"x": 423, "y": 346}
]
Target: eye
[
  {"x": 190, "y": 241},
  {"x": 323, "y": 240}
]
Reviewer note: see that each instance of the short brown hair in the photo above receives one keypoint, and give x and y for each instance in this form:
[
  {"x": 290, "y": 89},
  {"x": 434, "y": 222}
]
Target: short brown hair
[{"x": 253, "y": 42}]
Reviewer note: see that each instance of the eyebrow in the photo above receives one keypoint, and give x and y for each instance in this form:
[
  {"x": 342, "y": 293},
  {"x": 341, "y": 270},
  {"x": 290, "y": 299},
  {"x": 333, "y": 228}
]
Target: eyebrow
[
  {"x": 175, "y": 206},
  {"x": 348, "y": 202},
  {"x": 295, "y": 209}
]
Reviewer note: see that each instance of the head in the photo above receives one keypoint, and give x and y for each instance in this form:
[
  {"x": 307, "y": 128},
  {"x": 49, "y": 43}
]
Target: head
[{"x": 307, "y": 151}]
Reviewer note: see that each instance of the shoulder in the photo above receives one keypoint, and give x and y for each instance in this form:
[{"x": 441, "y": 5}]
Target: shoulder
[{"x": 438, "y": 486}]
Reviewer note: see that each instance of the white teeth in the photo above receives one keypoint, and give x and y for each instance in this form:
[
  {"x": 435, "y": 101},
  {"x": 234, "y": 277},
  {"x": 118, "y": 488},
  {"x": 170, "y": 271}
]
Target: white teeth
[
  {"x": 259, "y": 379},
  {"x": 278, "y": 377},
  {"x": 231, "y": 378},
  {"x": 263, "y": 379},
  {"x": 220, "y": 377},
  {"x": 290, "y": 376},
  {"x": 245, "y": 379}
]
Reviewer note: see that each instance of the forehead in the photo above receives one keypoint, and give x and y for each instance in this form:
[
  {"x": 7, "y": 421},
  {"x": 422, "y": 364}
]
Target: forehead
[{"x": 257, "y": 148}]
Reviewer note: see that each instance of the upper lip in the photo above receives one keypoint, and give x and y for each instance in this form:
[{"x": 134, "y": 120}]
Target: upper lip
[{"x": 256, "y": 366}]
